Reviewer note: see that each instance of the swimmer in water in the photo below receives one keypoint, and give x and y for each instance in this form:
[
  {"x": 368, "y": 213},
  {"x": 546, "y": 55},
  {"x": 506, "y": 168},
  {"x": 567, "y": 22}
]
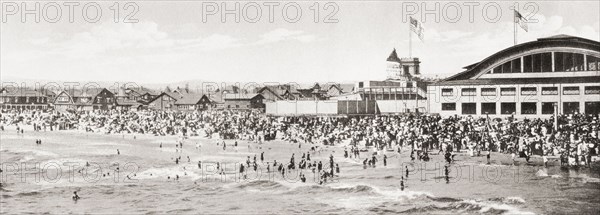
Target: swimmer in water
[
  {"x": 75, "y": 196},
  {"x": 402, "y": 185}
]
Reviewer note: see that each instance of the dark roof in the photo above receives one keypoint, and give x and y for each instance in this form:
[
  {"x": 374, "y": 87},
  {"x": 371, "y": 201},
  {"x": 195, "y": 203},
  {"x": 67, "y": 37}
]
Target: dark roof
[
  {"x": 561, "y": 80},
  {"x": 189, "y": 99},
  {"x": 172, "y": 95},
  {"x": 344, "y": 88},
  {"x": 393, "y": 57},
  {"x": 553, "y": 41},
  {"x": 273, "y": 89},
  {"x": 240, "y": 96}
]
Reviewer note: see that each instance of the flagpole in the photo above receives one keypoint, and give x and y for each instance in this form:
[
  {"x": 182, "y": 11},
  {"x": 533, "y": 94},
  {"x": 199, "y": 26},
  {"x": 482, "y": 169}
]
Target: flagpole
[
  {"x": 409, "y": 41},
  {"x": 515, "y": 25}
]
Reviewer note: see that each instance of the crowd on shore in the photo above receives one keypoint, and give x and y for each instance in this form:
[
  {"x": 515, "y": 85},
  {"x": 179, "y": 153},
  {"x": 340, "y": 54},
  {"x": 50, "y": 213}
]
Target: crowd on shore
[{"x": 575, "y": 140}]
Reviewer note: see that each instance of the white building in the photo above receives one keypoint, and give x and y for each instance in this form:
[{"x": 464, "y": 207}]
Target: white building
[{"x": 533, "y": 79}]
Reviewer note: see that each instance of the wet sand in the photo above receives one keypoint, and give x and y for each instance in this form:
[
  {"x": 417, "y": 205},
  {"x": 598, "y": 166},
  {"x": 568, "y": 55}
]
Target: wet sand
[{"x": 473, "y": 186}]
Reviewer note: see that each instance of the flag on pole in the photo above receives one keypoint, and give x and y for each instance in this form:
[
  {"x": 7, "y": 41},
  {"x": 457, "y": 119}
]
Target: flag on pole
[
  {"x": 519, "y": 19},
  {"x": 417, "y": 27}
]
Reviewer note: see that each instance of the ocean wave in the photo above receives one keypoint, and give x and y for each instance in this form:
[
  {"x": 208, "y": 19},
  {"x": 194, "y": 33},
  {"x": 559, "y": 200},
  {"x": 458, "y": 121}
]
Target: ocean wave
[
  {"x": 466, "y": 206},
  {"x": 27, "y": 194},
  {"x": 491, "y": 207},
  {"x": 509, "y": 200},
  {"x": 261, "y": 185},
  {"x": 316, "y": 189}
]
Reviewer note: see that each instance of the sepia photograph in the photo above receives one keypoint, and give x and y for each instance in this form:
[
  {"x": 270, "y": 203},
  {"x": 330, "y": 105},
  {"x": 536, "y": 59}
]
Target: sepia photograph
[{"x": 299, "y": 107}]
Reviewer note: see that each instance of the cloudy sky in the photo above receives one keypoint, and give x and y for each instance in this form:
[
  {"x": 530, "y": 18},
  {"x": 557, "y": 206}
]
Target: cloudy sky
[{"x": 170, "y": 42}]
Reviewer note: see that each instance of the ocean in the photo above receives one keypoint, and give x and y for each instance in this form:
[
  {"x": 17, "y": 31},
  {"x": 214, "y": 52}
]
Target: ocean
[{"x": 42, "y": 178}]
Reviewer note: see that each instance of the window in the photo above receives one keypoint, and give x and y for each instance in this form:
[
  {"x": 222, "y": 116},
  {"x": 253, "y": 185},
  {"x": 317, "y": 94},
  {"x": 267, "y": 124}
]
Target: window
[
  {"x": 537, "y": 63},
  {"x": 548, "y": 107},
  {"x": 508, "y": 91},
  {"x": 578, "y": 62},
  {"x": 447, "y": 92},
  {"x": 508, "y": 108},
  {"x": 568, "y": 62},
  {"x": 528, "y": 64},
  {"x": 549, "y": 90},
  {"x": 593, "y": 63},
  {"x": 570, "y": 90},
  {"x": 448, "y": 106},
  {"x": 516, "y": 65},
  {"x": 488, "y": 91},
  {"x": 528, "y": 91},
  {"x": 592, "y": 90},
  {"x": 506, "y": 67},
  {"x": 469, "y": 92},
  {"x": 469, "y": 108},
  {"x": 63, "y": 99},
  {"x": 528, "y": 108},
  {"x": 409, "y": 84},
  {"x": 570, "y": 107},
  {"x": 592, "y": 108},
  {"x": 406, "y": 69},
  {"x": 360, "y": 84},
  {"x": 488, "y": 108},
  {"x": 558, "y": 62},
  {"x": 547, "y": 62}
]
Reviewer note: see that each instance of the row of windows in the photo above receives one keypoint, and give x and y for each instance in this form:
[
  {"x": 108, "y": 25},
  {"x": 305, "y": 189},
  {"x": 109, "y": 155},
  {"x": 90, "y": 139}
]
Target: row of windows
[
  {"x": 23, "y": 99},
  {"x": 542, "y": 62},
  {"x": 511, "y": 91},
  {"x": 508, "y": 108}
]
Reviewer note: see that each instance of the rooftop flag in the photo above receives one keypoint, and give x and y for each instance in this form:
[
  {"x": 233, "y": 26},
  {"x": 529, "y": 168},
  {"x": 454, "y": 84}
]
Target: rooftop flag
[
  {"x": 519, "y": 19},
  {"x": 417, "y": 27}
]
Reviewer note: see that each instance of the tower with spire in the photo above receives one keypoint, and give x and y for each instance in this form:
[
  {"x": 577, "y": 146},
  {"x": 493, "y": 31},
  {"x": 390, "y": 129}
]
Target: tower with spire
[{"x": 402, "y": 69}]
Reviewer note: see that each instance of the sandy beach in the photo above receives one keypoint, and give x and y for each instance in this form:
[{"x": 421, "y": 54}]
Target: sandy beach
[{"x": 42, "y": 179}]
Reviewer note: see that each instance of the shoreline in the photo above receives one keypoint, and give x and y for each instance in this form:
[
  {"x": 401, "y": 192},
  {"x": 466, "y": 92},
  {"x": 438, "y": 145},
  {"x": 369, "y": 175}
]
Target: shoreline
[{"x": 475, "y": 175}]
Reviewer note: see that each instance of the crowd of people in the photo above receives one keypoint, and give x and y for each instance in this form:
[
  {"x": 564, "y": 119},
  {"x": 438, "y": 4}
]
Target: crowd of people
[{"x": 574, "y": 139}]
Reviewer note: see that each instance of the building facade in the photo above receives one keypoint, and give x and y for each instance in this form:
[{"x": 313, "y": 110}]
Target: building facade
[
  {"x": 24, "y": 99},
  {"x": 558, "y": 74},
  {"x": 243, "y": 101}
]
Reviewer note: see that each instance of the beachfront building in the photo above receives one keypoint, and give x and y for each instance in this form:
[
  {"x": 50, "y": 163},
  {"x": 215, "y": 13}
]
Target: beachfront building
[
  {"x": 558, "y": 74},
  {"x": 402, "y": 92},
  {"x": 273, "y": 92},
  {"x": 164, "y": 101},
  {"x": 24, "y": 99},
  {"x": 104, "y": 100},
  {"x": 74, "y": 99},
  {"x": 243, "y": 100},
  {"x": 87, "y": 99},
  {"x": 189, "y": 102},
  {"x": 140, "y": 94},
  {"x": 339, "y": 89}
]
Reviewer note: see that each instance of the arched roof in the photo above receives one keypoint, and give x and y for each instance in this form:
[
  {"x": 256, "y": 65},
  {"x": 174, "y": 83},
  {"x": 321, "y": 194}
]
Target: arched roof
[{"x": 557, "y": 41}]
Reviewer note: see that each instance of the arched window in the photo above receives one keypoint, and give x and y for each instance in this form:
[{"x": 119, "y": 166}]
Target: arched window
[
  {"x": 593, "y": 63},
  {"x": 568, "y": 62}
]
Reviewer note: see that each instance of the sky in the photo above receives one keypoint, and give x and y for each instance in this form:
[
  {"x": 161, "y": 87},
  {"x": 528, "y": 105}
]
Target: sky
[{"x": 349, "y": 41}]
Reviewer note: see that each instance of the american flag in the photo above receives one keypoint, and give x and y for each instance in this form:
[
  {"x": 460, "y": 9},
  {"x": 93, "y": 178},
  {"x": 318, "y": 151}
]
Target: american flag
[
  {"x": 416, "y": 27},
  {"x": 519, "y": 19}
]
